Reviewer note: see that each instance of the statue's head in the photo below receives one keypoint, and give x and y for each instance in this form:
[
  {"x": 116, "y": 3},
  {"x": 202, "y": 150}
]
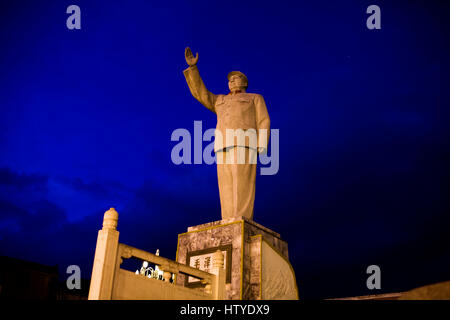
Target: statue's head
[{"x": 237, "y": 81}]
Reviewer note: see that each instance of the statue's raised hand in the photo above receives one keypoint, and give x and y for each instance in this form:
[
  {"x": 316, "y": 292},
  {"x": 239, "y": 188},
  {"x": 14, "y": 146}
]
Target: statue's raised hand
[{"x": 191, "y": 61}]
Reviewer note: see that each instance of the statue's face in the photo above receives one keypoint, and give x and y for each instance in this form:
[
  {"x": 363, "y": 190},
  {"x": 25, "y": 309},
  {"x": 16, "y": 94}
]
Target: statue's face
[{"x": 236, "y": 82}]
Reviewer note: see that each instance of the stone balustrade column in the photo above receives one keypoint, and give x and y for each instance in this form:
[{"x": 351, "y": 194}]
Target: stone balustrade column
[
  {"x": 105, "y": 258},
  {"x": 219, "y": 279}
]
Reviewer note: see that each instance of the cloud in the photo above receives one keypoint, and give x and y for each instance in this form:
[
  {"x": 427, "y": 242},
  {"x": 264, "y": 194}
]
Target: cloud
[
  {"x": 13, "y": 185},
  {"x": 35, "y": 213}
]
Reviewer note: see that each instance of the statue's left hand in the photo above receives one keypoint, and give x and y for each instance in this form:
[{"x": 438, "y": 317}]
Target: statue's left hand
[{"x": 191, "y": 61}]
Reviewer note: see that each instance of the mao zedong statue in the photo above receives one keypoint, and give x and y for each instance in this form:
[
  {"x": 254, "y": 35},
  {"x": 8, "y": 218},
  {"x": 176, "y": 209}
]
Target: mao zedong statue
[{"x": 242, "y": 131}]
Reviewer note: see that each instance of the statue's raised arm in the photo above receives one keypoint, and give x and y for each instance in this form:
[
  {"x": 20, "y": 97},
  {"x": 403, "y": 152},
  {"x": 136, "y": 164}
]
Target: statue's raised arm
[{"x": 195, "y": 82}]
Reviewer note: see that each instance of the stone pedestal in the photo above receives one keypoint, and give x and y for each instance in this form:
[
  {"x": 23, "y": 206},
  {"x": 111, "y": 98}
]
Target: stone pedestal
[{"x": 256, "y": 259}]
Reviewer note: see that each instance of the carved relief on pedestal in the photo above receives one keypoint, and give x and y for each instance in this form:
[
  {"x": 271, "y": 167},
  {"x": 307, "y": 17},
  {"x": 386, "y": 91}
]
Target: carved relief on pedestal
[{"x": 278, "y": 278}]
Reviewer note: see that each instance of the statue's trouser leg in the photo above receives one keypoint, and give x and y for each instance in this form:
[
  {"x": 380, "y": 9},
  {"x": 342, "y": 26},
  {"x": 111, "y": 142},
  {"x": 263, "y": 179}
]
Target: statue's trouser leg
[
  {"x": 225, "y": 179},
  {"x": 237, "y": 182}
]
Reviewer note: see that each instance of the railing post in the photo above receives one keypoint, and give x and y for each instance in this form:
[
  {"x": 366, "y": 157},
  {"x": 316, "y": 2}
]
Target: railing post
[
  {"x": 167, "y": 276},
  {"x": 105, "y": 258},
  {"x": 219, "y": 280}
]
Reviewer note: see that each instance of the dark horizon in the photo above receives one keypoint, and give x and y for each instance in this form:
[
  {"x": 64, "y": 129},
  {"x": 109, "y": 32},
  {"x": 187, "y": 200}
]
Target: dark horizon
[{"x": 86, "y": 118}]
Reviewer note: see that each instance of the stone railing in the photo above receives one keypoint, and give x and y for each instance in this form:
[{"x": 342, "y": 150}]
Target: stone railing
[{"x": 110, "y": 282}]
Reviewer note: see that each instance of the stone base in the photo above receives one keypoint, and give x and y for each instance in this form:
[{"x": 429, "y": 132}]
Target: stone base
[{"x": 256, "y": 259}]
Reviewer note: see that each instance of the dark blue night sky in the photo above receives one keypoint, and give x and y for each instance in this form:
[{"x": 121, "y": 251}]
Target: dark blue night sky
[{"x": 86, "y": 118}]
